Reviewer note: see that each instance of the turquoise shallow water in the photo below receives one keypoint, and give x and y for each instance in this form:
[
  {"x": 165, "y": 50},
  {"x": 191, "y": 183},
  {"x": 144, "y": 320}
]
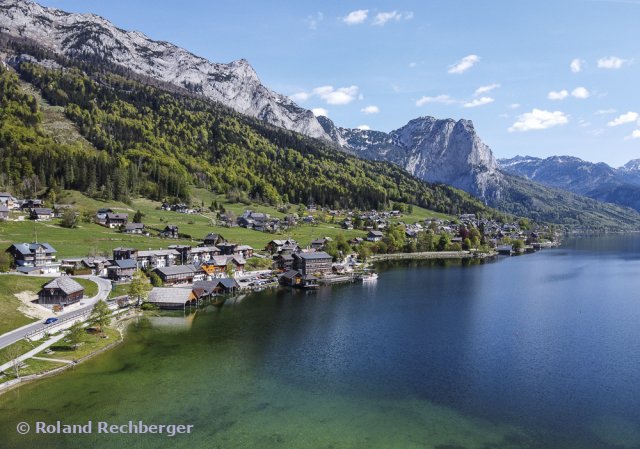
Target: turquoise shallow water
[{"x": 539, "y": 351}]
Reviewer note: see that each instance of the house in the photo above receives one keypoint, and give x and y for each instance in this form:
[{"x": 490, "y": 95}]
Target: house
[
  {"x": 374, "y": 236},
  {"x": 245, "y": 251},
  {"x": 294, "y": 278},
  {"x": 216, "y": 267},
  {"x": 121, "y": 270},
  {"x": 283, "y": 262},
  {"x": 133, "y": 228},
  {"x": 41, "y": 214},
  {"x": 8, "y": 200},
  {"x": 61, "y": 291},
  {"x": 34, "y": 258},
  {"x": 116, "y": 220},
  {"x": 184, "y": 253},
  {"x": 320, "y": 243},
  {"x": 227, "y": 249},
  {"x": 179, "y": 274},
  {"x": 96, "y": 266},
  {"x": 253, "y": 220},
  {"x": 172, "y": 298},
  {"x": 124, "y": 253},
  {"x": 212, "y": 239},
  {"x": 30, "y": 204},
  {"x": 203, "y": 289},
  {"x": 4, "y": 211},
  {"x": 202, "y": 254},
  {"x": 506, "y": 250},
  {"x": 101, "y": 216},
  {"x": 170, "y": 232},
  {"x": 347, "y": 224},
  {"x": 277, "y": 246},
  {"x": 157, "y": 258},
  {"x": 312, "y": 263}
]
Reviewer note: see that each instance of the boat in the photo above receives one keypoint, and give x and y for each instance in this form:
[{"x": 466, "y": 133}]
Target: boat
[{"x": 369, "y": 277}]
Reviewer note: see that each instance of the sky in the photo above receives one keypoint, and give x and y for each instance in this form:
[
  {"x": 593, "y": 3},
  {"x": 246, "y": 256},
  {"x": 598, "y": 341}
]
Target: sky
[{"x": 536, "y": 78}]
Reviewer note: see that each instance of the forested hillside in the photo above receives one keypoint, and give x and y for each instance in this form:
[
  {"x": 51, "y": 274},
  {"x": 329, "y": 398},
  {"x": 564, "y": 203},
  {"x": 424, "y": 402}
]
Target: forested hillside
[{"x": 156, "y": 143}]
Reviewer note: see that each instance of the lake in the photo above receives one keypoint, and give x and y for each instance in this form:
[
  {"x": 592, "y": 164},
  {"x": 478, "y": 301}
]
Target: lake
[{"x": 536, "y": 351}]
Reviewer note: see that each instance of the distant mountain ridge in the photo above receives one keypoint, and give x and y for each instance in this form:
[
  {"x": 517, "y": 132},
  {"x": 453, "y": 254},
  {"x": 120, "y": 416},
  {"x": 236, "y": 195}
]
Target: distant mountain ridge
[{"x": 595, "y": 180}]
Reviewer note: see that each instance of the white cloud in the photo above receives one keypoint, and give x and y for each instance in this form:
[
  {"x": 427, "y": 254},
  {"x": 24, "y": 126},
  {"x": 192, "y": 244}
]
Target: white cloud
[
  {"x": 384, "y": 17},
  {"x": 576, "y": 65},
  {"x": 559, "y": 95},
  {"x": 581, "y": 93},
  {"x": 485, "y": 89},
  {"x": 605, "y": 111},
  {"x": 629, "y": 117},
  {"x": 356, "y": 17},
  {"x": 478, "y": 102},
  {"x": 329, "y": 94},
  {"x": 635, "y": 134},
  {"x": 342, "y": 95},
  {"x": 444, "y": 99},
  {"x": 320, "y": 111},
  {"x": 364, "y": 127},
  {"x": 300, "y": 96},
  {"x": 538, "y": 119},
  {"x": 412, "y": 65},
  {"x": 464, "y": 64},
  {"x": 514, "y": 105},
  {"x": 611, "y": 63},
  {"x": 313, "y": 21},
  {"x": 370, "y": 109}
]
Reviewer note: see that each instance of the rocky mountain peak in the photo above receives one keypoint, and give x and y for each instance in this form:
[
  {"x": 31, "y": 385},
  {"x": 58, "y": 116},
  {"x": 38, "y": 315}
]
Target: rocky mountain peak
[{"x": 86, "y": 35}]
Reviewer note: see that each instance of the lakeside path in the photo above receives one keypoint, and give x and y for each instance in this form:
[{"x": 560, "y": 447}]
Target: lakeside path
[{"x": 432, "y": 255}]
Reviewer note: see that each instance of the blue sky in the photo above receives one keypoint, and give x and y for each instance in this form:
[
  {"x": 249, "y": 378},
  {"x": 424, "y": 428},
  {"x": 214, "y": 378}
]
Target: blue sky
[{"x": 506, "y": 65}]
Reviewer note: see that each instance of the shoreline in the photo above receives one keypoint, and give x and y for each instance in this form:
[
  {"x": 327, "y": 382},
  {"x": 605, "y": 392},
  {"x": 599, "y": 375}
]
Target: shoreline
[
  {"x": 432, "y": 255},
  {"x": 121, "y": 324},
  {"x": 9, "y": 385}
]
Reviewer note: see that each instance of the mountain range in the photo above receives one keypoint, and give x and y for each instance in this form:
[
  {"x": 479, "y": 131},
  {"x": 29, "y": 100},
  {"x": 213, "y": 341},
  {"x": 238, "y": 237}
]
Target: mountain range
[
  {"x": 434, "y": 150},
  {"x": 594, "y": 180}
]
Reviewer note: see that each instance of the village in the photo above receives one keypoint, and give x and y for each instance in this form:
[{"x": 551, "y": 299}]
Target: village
[{"x": 183, "y": 275}]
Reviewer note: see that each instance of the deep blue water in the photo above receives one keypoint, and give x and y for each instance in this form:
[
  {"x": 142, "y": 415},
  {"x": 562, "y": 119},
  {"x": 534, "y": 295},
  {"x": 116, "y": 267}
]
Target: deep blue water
[{"x": 535, "y": 351}]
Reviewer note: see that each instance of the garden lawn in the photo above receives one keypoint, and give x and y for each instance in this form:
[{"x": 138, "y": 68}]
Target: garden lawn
[{"x": 10, "y": 284}]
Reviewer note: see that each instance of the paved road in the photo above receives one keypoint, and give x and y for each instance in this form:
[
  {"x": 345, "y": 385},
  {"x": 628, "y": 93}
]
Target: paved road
[{"x": 104, "y": 287}]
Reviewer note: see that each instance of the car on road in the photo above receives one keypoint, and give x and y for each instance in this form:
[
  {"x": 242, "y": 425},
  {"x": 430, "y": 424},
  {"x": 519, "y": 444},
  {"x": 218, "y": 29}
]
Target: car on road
[{"x": 50, "y": 320}]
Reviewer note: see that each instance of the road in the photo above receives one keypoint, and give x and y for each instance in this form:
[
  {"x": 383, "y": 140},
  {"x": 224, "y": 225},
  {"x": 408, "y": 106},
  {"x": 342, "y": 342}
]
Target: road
[{"x": 104, "y": 287}]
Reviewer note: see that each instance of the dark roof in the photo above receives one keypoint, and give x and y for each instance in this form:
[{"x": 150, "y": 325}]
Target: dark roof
[
  {"x": 291, "y": 274},
  {"x": 66, "y": 284},
  {"x": 28, "y": 248},
  {"x": 176, "y": 269},
  {"x": 42, "y": 211},
  {"x": 169, "y": 295},
  {"x": 117, "y": 216},
  {"x": 126, "y": 263},
  {"x": 376, "y": 233},
  {"x": 134, "y": 226},
  {"x": 313, "y": 256}
]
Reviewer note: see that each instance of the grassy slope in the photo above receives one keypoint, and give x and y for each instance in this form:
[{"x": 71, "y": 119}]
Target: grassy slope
[
  {"x": 89, "y": 343},
  {"x": 10, "y": 317},
  {"x": 91, "y": 238}
]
